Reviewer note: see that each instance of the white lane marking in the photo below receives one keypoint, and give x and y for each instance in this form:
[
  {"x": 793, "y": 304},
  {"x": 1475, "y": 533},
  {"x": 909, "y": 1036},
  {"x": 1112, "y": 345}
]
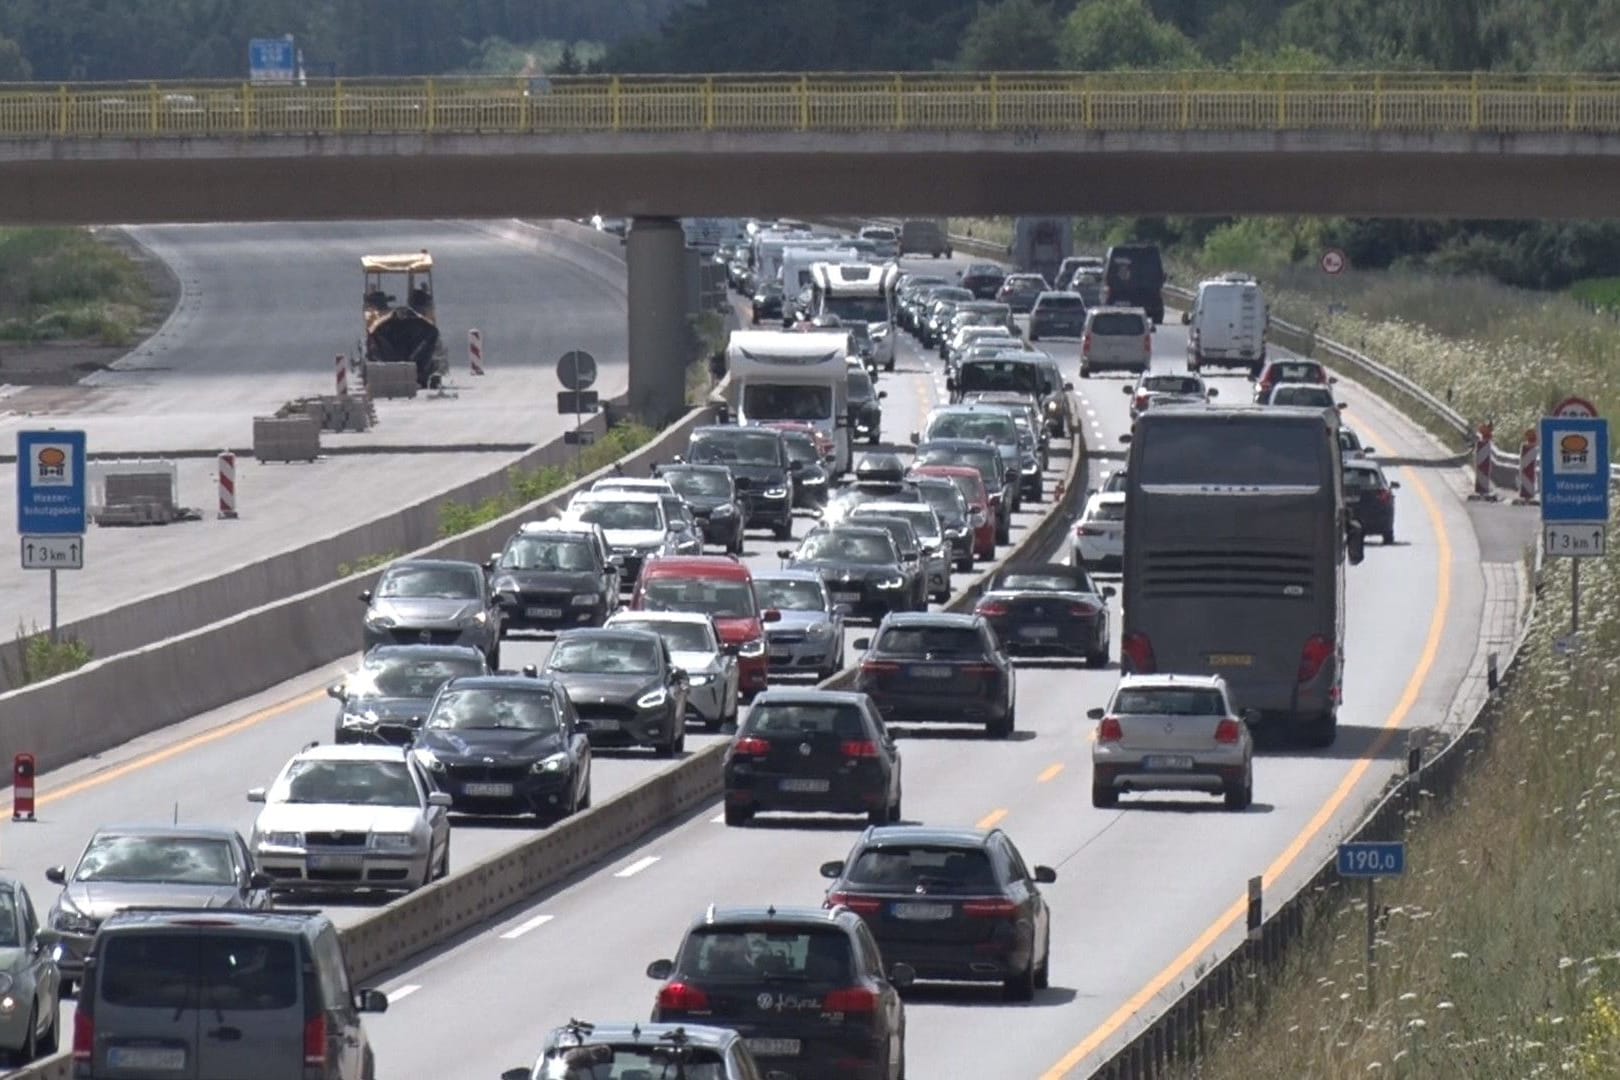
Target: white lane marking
[
  {"x": 638, "y": 866},
  {"x": 718, "y": 819},
  {"x": 1091, "y": 412},
  {"x": 524, "y": 927},
  {"x": 399, "y": 994}
]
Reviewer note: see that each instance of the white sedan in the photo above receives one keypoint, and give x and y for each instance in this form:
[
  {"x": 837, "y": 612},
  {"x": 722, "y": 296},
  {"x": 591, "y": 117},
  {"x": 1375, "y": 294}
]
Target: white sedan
[
  {"x": 1099, "y": 535},
  {"x": 694, "y": 647}
]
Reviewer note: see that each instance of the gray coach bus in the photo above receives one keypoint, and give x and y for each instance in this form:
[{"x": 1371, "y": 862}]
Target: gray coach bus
[{"x": 1236, "y": 539}]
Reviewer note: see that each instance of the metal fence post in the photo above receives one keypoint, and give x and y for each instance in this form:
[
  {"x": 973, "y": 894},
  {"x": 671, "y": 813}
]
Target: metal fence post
[
  {"x": 995, "y": 101},
  {"x": 899, "y": 103},
  {"x": 337, "y": 104},
  {"x": 431, "y": 120},
  {"x": 155, "y": 110},
  {"x": 615, "y": 103},
  {"x": 247, "y": 107},
  {"x": 804, "y": 103}
]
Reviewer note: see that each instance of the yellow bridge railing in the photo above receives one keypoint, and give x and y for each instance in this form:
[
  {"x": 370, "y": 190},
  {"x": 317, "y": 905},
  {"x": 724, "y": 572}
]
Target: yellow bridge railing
[{"x": 1019, "y": 103}]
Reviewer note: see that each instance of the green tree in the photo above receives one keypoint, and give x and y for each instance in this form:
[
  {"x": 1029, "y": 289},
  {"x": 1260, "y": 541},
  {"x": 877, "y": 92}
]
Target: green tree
[
  {"x": 1013, "y": 35},
  {"x": 14, "y": 66},
  {"x": 1282, "y": 58},
  {"x": 1100, "y": 35}
]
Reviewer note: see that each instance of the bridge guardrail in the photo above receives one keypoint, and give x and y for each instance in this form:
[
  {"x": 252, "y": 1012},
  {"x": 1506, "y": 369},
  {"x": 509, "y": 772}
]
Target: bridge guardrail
[{"x": 1018, "y": 102}]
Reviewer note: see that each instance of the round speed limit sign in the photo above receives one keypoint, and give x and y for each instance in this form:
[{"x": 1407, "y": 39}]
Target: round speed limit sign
[{"x": 1333, "y": 261}]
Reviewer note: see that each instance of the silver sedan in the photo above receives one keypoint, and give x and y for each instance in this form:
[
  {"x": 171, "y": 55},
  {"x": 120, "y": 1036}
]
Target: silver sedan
[
  {"x": 694, "y": 647},
  {"x": 1171, "y": 733}
]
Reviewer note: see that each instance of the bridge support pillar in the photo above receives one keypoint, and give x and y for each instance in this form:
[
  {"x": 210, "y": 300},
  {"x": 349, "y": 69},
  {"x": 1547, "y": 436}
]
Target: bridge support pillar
[{"x": 660, "y": 339}]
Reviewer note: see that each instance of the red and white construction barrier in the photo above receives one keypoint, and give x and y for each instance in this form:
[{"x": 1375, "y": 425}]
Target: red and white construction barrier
[
  {"x": 1483, "y": 437},
  {"x": 227, "y": 485},
  {"x": 22, "y": 787},
  {"x": 1529, "y": 468},
  {"x": 475, "y": 351},
  {"x": 341, "y": 364}
]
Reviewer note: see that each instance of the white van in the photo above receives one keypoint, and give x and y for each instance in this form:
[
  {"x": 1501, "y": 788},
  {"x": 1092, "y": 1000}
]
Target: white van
[{"x": 1227, "y": 324}]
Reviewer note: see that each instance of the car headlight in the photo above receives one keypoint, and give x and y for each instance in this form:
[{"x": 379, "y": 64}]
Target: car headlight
[
  {"x": 391, "y": 841},
  {"x": 362, "y": 719},
  {"x": 723, "y": 510},
  {"x": 505, "y": 584},
  {"x": 1031, "y": 467},
  {"x": 699, "y": 680},
  {"x": 554, "y": 764},
  {"x": 1052, "y": 407},
  {"x": 812, "y": 480},
  {"x": 652, "y": 699},
  {"x": 956, "y": 534},
  {"x": 775, "y": 493},
  {"x": 71, "y": 922},
  {"x": 752, "y": 650},
  {"x": 819, "y": 630},
  {"x": 379, "y": 621},
  {"x": 584, "y": 599},
  {"x": 477, "y": 618},
  {"x": 430, "y": 761},
  {"x": 282, "y": 839},
  {"x": 880, "y": 331},
  {"x": 892, "y": 583}
]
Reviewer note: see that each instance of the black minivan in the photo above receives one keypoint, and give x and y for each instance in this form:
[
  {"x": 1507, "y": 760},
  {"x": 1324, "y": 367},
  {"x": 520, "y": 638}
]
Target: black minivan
[{"x": 1135, "y": 278}]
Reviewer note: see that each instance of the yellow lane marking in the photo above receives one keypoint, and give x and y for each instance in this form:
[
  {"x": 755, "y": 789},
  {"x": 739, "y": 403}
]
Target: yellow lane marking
[
  {"x": 1196, "y": 952},
  {"x": 1049, "y": 772},
  {"x": 118, "y": 772},
  {"x": 992, "y": 819}
]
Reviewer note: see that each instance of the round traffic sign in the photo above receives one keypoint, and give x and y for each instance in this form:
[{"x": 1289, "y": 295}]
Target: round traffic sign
[
  {"x": 576, "y": 370},
  {"x": 1333, "y": 261},
  {"x": 1574, "y": 408}
]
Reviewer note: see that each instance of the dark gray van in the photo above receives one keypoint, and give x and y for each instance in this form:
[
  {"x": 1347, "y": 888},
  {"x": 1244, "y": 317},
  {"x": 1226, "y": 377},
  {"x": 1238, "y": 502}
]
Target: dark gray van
[
  {"x": 924, "y": 236},
  {"x": 190, "y": 995}
]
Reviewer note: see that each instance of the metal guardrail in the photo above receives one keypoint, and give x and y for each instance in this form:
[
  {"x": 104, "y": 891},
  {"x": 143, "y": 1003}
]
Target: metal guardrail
[{"x": 1017, "y": 102}]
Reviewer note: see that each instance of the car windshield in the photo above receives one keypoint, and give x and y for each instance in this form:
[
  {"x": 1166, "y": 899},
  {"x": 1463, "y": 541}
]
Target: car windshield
[
  {"x": 801, "y": 448},
  {"x": 1105, "y": 511},
  {"x": 863, "y": 308},
  {"x": 170, "y": 860},
  {"x": 860, "y": 386},
  {"x": 1115, "y": 482},
  {"x": 769, "y": 402},
  {"x": 975, "y": 425},
  {"x": 622, "y": 515},
  {"x": 640, "y": 1062},
  {"x": 606, "y": 654},
  {"x": 208, "y": 972},
  {"x": 923, "y": 522},
  {"x": 1118, "y": 323},
  {"x": 694, "y": 483},
  {"x": 1172, "y": 384},
  {"x": 435, "y": 582},
  {"x": 945, "y": 500},
  {"x": 924, "y": 869},
  {"x": 678, "y": 636},
  {"x": 864, "y": 549},
  {"x": 767, "y": 953},
  {"x": 1300, "y": 372},
  {"x": 491, "y": 707},
  {"x": 1168, "y": 701},
  {"x": 984, "y": 460},
  {"x": 786, "y": 594},
  {"x": 931, "y": 641},
  {"x": 799, "y": 718},
  {"x": 1065, "y": 303},
  {"x": 354, "y": 783},
  {"x": 402, "y": 677},
  {"x": 1358, "y": 480},
  {"x": 1045, "y": 581},
  {"x": 711, "y": 596},
  {"x": 548, "y": 553},
  {"x": 1019, "y": 375},
  {"x": 742, "y": 446},
  {"x": 1302, "y": 395}
]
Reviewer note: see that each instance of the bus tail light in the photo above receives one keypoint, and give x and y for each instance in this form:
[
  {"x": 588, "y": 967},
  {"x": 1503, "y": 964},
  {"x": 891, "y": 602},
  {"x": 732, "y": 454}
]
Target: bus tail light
[
  {"x": 1316, "y": 652},
  {"x": 1136, "y": 653}
]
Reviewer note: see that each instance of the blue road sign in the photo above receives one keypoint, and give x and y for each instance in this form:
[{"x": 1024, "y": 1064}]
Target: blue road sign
[
  {"x": 272, "y": 59},
  {"x": 1372, "y": 859},
  {"x": 1574, "y": 469},
  {"x": 50, "y": 483}
]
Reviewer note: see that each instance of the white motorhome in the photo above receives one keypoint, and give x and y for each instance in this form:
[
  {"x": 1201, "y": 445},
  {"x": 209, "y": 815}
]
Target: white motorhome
[
  {"x": 860, "y": 291},
  {"x": 767, "y": 249},
  {"x": 1227, "y": 324},
  {"x": 799, "y": 261},
  {"x": 793, "y": 376}
]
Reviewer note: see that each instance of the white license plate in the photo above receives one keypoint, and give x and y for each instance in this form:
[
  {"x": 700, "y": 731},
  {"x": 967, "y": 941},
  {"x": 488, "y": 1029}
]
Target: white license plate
[
  {"x": 846, "y": 597},
  {"x": 603, "y": 725},
  {"x": 773, "y": 1047},
  {"x": 930, "y": 672},
  {"x": 922, "y": 912},
  {"x": 1038, "y": 631},
  {"x": 1167, "y": 761},
  {"x": 543, "y": 613},
  {"x": 488, "y": 791},
  {"x": 335, "y": 862},
  {"x": 806, "y": 785},
  {"x": 146, "y": 1057}
]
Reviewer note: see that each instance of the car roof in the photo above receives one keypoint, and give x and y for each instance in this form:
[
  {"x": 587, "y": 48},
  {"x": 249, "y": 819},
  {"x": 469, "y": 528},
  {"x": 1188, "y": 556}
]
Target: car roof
[
  {"x": 807, "y": 696},
  {"x": 720, "y": 916},
  {"x": 967, "y": 408},
  {"x": 886, "y": 835},
  {"x": 209, "y": 832},
  {"x": 615, "y": 495},
  {"x": 1363, "y": 464},
  {"x": 788, "y": 575},
  {"x": 847, "y": 525},
  {"x": 1044, "y": 568},
  {"x": 631, "y": 483},
  {"x": 930, "y": 618},
  {"x": 1117, "y": 309},
  {"x": 696, "y": 618},
  {"x": 589, "y": 632},
  {"x": 731, "y": 429},
  {"x": 646, "y": 1033},
  {"x": 448, "y": 564},
  {"x": 1108, "y": 497},
  {"x": 351, "y": 752},
  {"x": 879, "y": 507},
  {"x": 422, "y": 652},
  {"x": 572, "y": 526},
  {"x": 507, "y": 682},
  {"x": 727, "y": 567},
  {"x": 1064, "y": 293},
  {"x": 1171, "y": 679},
  {"x": 296, "y": 921}
]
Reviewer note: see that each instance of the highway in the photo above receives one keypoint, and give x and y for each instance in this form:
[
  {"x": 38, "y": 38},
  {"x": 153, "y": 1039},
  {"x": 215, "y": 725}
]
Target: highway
[{"x": 262, "y": 312}]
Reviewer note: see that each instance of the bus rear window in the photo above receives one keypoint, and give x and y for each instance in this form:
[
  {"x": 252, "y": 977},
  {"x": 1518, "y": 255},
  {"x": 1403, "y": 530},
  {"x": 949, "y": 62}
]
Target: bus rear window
[{"x": 1252, "y": 451}]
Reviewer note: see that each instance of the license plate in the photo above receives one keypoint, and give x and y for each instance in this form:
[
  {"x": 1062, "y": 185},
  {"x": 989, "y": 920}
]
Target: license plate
[
  {"x": 922, "y": 912},
  {"x": 1231, "y": 659},
  {"x": 773, "y": 1047},
  {"x": 488, "y": 791},
  {"x": 334, "y": 862},
  {"x": 922, "y": 672},
  {"x": 1038, "y": 631},
  {"x": 146, "y": 1057},
  {"x": 1167, "y": 761},
  {"x": 543, "y": 613},
  {"x": 813, "y": 786},
  {"x": 846, "y": 597},
  {"x": 603, "y": 725}
]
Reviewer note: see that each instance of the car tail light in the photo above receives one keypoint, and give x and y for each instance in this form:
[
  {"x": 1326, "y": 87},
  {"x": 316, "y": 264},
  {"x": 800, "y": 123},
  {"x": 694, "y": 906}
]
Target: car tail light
[
  {"x": 983, "y": 671},
  {"x": 84, "y": 1035},
  {"x": 1086, "y": 530},
  {"x": 879, "y": 667},
  {"x": 751, "y": 747},
  {"x": 993, "y": 608},
  {"x": 856, "y": 999},
  {"x": 1141, "y": 402},
  {"x": 1137, "y": 652},
  {"x": 1108, "y": 730},
  {"x": 1311, "y": 658},
  {"x": 1386, "y": 496},
  {"x": 860, "y": 905},
  {"x": 679, "y": 997},
  {"x": 1147, "y": 344},
  {"x": 858, "y": 748},
  {"x": 1227, "y": 731},
  {"x": 989, "y": 909},
  {"x": 1082, "y": 611},
  {"x": 1085, "y": 343},
  {"x": 314, "y": 1040}
]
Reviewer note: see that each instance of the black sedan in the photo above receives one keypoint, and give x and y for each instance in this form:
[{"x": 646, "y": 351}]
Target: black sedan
[
  {"x": 1047, "y": 609},
  {"x": 860, "y": 566},
  {"x": 955, "y": 517},
  {"x": 624, "y": 687},
  {"x": 712, "y": 497},
  {"x": 1001, "y": 484},
  {"x": 767, "y": 303},
  {"x": 812, "y": 482},
  {"x": 816, "y": 751},
  {"x": 552, "y": 579},
  {"x": 1019, "y": 291},
  {"x": 388, "y": 697},
  {"x": 865, "y": 406},
  {"x": 957, "y": 904},
  {"x": 983, "y": 280},
  {"x": 1370, "y": 495},
  {"x": 507, "y": 744},
  {"x": 939, "y": 668}
]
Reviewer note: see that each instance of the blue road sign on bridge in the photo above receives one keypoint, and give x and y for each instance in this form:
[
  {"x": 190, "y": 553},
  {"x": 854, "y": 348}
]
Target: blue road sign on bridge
[
  {"x": 272, "y": 59},
  {"x": 1372, "y": 859}
]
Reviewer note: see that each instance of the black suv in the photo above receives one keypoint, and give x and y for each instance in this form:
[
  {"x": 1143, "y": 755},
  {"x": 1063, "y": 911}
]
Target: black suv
[
  {"x": 760, "y": 468},
  {"x": 1135, "y": 278},
  {"x": 938, "y": 667},
  {"x": 805, "y": 986}
]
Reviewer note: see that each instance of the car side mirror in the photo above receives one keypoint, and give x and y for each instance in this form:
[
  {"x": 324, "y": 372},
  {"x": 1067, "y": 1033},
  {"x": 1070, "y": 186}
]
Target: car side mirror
[
  {"x": 1369, "y": 451},
  {"x": 795, "y": 467},
  {"x": 950, "y": 383},
  {"x": 1125, "y": 438},
  {"x": 1332, "y": 379},
  {"x": 1068, "y": 386},
  {"x": 660, "y": 969},
  {"x": 1108, "y": 591},
  {"x": 1341, "y": 405},
  {"x": 260, "y": 880},
  {"x": 1127, "y": 390},
  {"x": 1095, "y": 714},
  {"x": 770, "y": 615},
  {"x": 616, "y": 561},
  {"x": 522, "y": 1072},
  {"x": 832, "y": 869},
  {"x": 882, "y": 394},
  {"x": 784, "y": 554},
  {"x": 1251, "y": 717},
  {"x": 845, "y": 610},
  {"x": 1357, "y": 547},
  {"x": 56, "y": 875},
  {"x": 493, "y": 561},
  {"x": 1045, "y": 875},
  {"x": 863, "y": 643},
  {"x": 336, "y": 690},
  {"x": 440, "y": 798},
  {"x": 1186, "y": 318},
  {"x": 1212, "y": 392},
  {"x": 506, "y": 598},
  {"x": 915, "y": 438},
  {"x": 902, "y": 976},
  {"x": 365, "y": 596},
  {"x": 371, "y": 1001},
  {"x": 255, "y": 794},
  {"x": 678, "y": 674},
  {"x": 1394, "y": 484}
]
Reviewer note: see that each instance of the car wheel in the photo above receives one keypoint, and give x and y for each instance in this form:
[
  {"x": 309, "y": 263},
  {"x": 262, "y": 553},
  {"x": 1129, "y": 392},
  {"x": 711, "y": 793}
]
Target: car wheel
[
  {"x": 1085, "y": 371},
  {"x": 964, "y": 565},
  {"x": 670, "y": 746},
  {"x": 443, "y": 870},
  {"x": 1104, "y": 796},
  {"x": 368, "y": 1070},
  {"x": 1098, "y": 658},
  {"x": 783, "y": 530},
  {"x": 1043, "y": 973},
  {"x": 1320, "y": 730},
  {"x": 738, "y": 816},
  {"x": 1021, "y": 987},
  {"x": 1001, "y": 728},
  {"x": 494, "y": 655},
  {"x": 49, "y": 1041},
  {"x": 896, "y": 815},
  {"x": 889, "y": 366},
  {"x": 1239, "y": 798},
  {"x": 585, "y": 796},
  {"x": 874, "y": 438},
  {"x": 30, "y": 1047},
  {"x": 1033, "y": 336},
  {"x": 1389, "y": 536},
  {"x": 736, "y": 545},
  {"x": 1004, "y": 533},
  {"x": 878, "y": 817}
]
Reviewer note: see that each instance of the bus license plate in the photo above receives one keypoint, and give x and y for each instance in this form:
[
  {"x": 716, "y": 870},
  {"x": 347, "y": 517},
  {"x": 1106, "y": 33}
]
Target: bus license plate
[
  {"x": 146, "y": 1057},
  {"x": 1167, "y": 762},
  {"x": 922, "y": 912},
  {"x": 1231, "y": 659},
  {"x": 773, "y": 1047},
  {"x": 487, "y": 791}
]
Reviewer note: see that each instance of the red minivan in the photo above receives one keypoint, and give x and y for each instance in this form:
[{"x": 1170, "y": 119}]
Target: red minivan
[
  {"x": 970, "y": 482},
  {"x": 717, "y": 585}
]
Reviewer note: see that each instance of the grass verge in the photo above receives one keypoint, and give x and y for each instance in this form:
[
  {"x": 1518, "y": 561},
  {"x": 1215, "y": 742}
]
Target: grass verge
[
  {"x": 40, "y": 658},
  {"x": 64, "y": 285}
]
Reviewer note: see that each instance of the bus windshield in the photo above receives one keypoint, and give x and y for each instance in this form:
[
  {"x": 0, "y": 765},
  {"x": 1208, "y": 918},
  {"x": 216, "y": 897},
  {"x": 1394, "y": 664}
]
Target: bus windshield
[
  {"x": 862, "y": 308},
  {"x": 1232, "y": 452},
  {"x": 768, "y": 402}
]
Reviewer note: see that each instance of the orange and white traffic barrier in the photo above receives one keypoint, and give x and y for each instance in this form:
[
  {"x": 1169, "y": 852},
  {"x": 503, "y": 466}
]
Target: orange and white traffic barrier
[
  {"x": 22, "y": 787},
  {"x": 341, "y": 363},
  {"x": 227, "y": 484},
  {"x": 1482, "y": 462},
  {"x": 1529, "y": 468},
  {"x": 475, "y": 351}
]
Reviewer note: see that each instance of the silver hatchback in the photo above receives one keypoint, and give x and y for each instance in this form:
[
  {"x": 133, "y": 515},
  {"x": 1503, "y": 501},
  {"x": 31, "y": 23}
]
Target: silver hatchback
[{"x": 1171, "y": 733}]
